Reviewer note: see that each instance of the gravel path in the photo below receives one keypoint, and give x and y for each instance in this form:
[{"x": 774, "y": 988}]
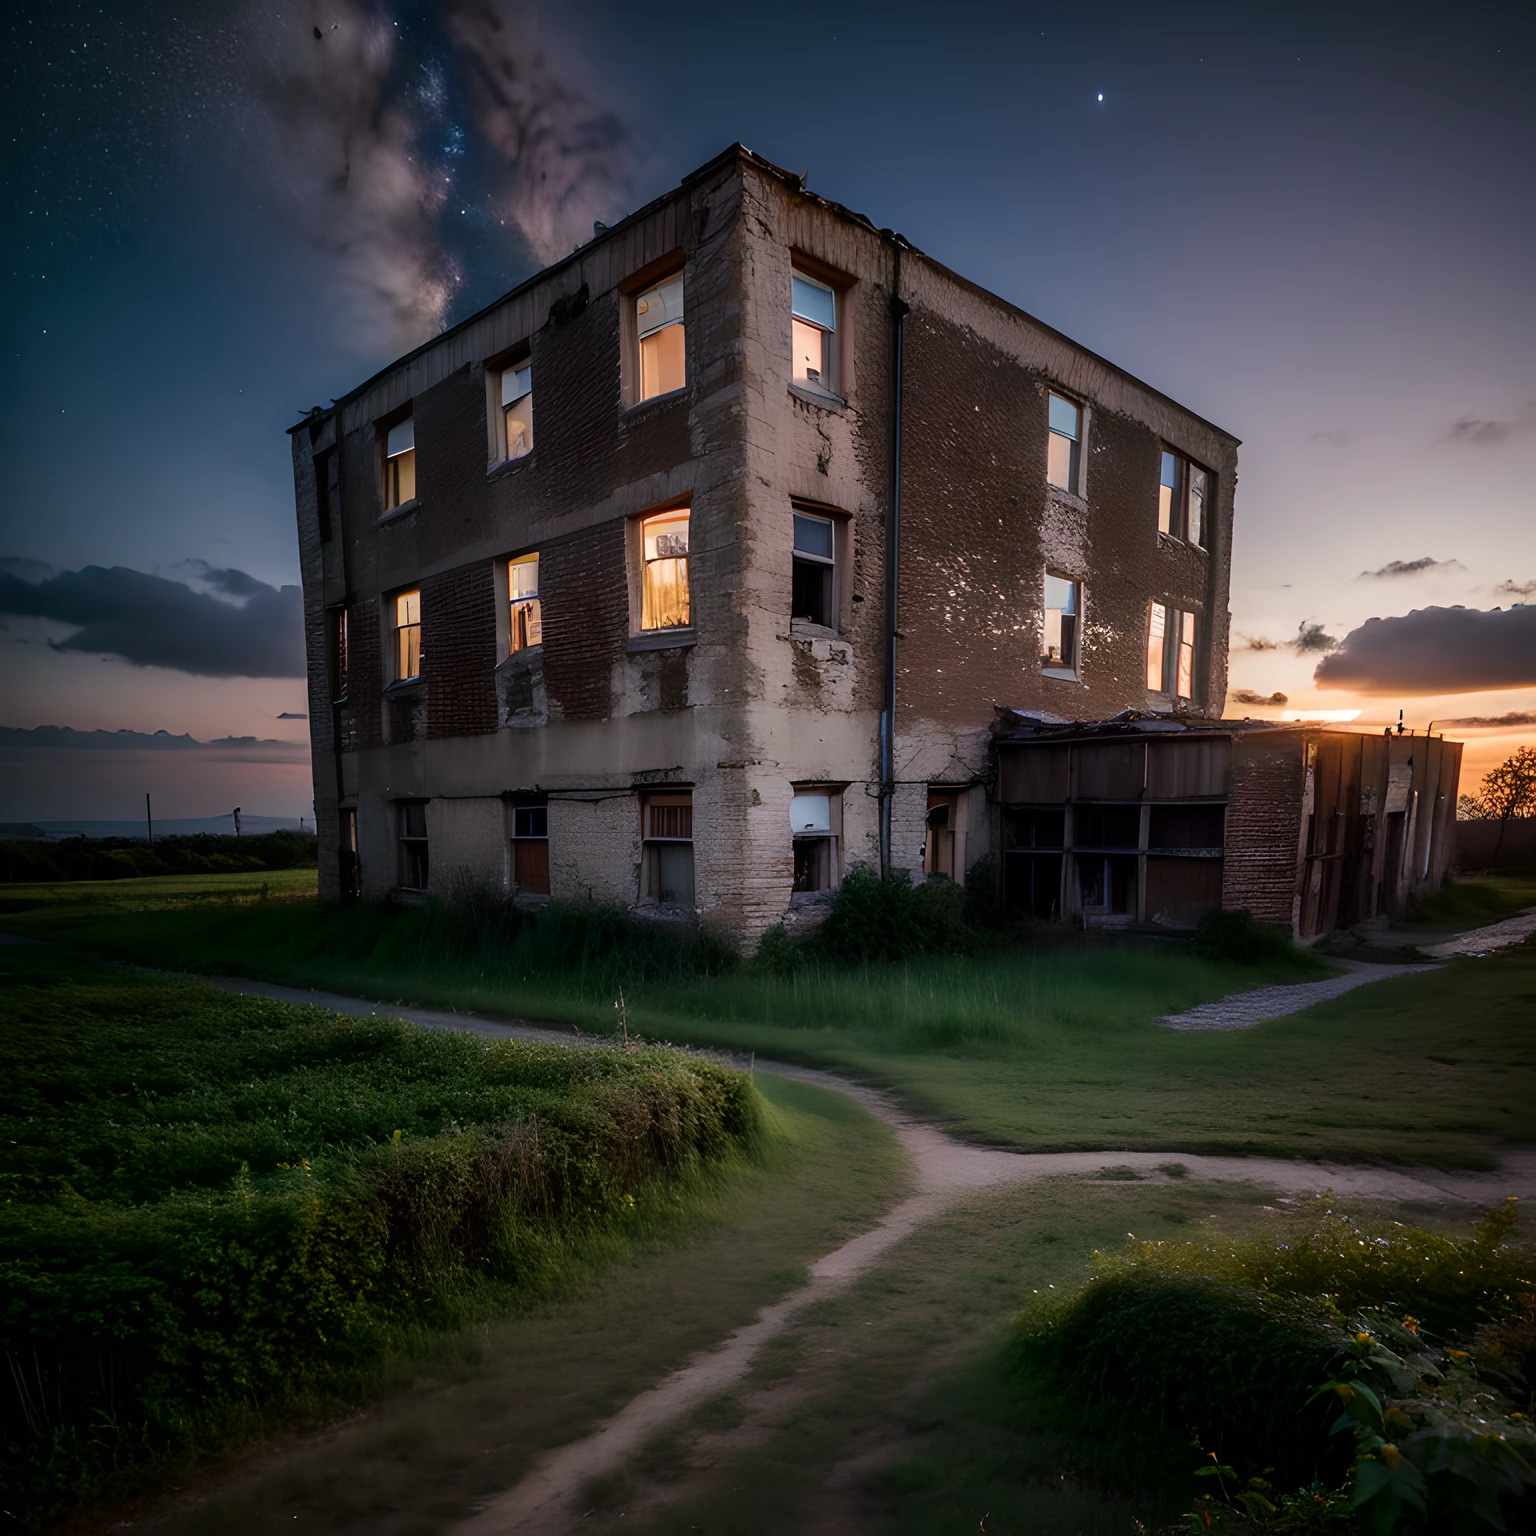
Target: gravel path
[
  {"x": 946, "y": 1169},
  {"x": 1483, "y": 941},
  {"x": 1242, "y": 1010}
]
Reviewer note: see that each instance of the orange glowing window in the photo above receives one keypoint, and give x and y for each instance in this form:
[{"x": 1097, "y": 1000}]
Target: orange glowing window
[
  {"x": 664, "y": 596},
  {"x": 526, "y": 623},
  {"x": 663, "y": 354},
  {"x": 407, "y": 636},
  {"x": 1063, "y": 453},
  {"x": 813, "y": 333}
]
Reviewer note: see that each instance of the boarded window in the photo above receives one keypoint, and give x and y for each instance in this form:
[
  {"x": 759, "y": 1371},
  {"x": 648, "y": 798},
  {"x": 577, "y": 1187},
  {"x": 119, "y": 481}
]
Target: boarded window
[
  {"x": 1186, "y": 770},
  {"x": 1064, "y": 457},
  {"x": 663, "y": 354},
  {"x": 412, "y": 816},
  {"x": 665, "y": 600},
  {"x": 530, "y": 849},
  {"x": 1110, "y": 771},
  {"x": 1106, "y": 826}
]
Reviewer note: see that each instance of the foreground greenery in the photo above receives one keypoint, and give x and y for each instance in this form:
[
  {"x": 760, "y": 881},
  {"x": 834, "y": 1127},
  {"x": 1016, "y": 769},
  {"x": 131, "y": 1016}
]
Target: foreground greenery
[
  {"x": 124, "y": 858},
  {"x": 217, "y": 1209},
  {"x": 1048, "y": 1042}
]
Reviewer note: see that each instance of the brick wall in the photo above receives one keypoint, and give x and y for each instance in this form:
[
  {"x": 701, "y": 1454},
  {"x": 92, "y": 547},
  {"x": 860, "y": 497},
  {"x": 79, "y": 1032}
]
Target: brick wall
[
  {"x": 585, "y": 586},
  {"x": 1264, "y": 812},
  {"x": 458, "y": 651}
]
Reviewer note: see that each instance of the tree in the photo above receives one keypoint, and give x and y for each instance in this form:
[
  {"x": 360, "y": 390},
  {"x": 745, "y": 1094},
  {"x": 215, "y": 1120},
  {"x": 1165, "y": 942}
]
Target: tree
[
  {"x": 1510, "y": 790},
  {"x": 1470, "y": 808}
]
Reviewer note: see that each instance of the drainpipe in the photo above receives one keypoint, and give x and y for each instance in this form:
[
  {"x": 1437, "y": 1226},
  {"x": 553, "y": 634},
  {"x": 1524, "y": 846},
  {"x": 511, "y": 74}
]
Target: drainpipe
[{"x": 892, "y": 571}]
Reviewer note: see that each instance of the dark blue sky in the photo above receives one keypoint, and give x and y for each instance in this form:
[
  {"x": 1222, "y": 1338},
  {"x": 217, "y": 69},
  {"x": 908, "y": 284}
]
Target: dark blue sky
[{"x": 1314, "y": 224}]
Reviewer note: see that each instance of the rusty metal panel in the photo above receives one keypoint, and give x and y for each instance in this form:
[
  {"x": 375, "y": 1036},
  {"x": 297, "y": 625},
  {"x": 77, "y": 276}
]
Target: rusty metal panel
[
  {"x": 1180, "y": 890},
  {"x": 1109, "y": 770},
  {"x": 1033, "y": 775},
  {"x": 1188, "y": 770}
]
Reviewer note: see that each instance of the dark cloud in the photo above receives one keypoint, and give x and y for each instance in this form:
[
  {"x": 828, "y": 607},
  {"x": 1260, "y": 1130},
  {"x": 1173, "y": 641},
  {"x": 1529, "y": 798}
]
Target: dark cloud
[
  {"x": 1312, "y": 637},
  {"x": 1515, "y": 589},
  {"x": 286, "y": 715},
  {"x": 1418, "y": 567},
  {"x": 154, "y": 622},
  {"x": 1436, "y": 650},
  {"x": 1514, "y": 717},
  {"x": 1248, "y": 696},
  {"x": 1482, "y": 433},
  {"x": 1259, "y": 643},
  {"x": 66, "y": 738}
]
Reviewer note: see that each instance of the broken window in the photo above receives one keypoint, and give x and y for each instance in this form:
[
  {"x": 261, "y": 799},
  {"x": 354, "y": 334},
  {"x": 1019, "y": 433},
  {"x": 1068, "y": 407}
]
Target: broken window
[
  {"x": 667, "y": 850},
  {"x": 939, "y": 847},
  {"x": 1171, "y": 638},
  {"x": 664, "y": 595},
  {"x": 340, "y": 680},
  {"x": 812, "y": 586},
  {"x": 813, "y": 333},
  {"x": 530, "y": 848},
  {"x": 1062, "y": 603},
  {"x": 1183, "y": 496},
  {"x": 526, "y": 624},
  {"x": 815, "y": 818},
  {"x": 400, "y": 463},
  {"x": 517, "y": 410},
  {"x": 407, "y": 637},
  {"x": 412, "y": 816},
  {"x": 1064, "y": 451},
  {"x": 659, "y": 321}
]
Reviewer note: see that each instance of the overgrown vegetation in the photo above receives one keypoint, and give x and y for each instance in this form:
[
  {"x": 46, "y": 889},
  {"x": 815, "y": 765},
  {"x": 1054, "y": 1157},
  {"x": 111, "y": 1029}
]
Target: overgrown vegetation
[
  {"x": 1334, "y": 1369},
  {"x": 1237, "y": 936},
  {"x": 122, "y": 858},
  {"x": 216, "y": 1207}
]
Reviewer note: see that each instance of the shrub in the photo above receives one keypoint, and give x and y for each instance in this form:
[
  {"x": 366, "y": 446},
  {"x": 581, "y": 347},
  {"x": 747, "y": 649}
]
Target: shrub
[
  {"x": 778, "y": 955},
  {"x": 1240, "y": 938},
  {"x": 878, "y": 918},
  {"x": 122, "y": 858}
]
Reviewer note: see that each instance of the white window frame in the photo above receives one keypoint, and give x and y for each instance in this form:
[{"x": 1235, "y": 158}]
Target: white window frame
[
  {"x": 828, "y": 563},
  {"x": 640, "y": 564},
  {"x": 814, "y": 305},
  {"x": 514, "y": 386},
  {"x": 1076, "y": 438},
  {"x": 397, "y": 450},
  {"x": 525, "y": 611},
  {"x": 816, "y": 817},
  {"x": 652, "y": 843},
  {"x": 670, "y": 294},
  {"x": 1064, "y": 664}
]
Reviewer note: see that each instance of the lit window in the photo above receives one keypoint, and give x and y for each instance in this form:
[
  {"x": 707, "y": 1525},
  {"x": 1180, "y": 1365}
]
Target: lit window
[
  {"x": 1062, "y": 601},
  {"x": 526, "y": 626},
  {"x": 664, "y": 599},
  {"x": 1157, "y": 633},
  {"x": 413, "y": 844},
  {"x": 407, "y": 637},
  {"x": 667, "y": 847},
  {"x": 943, "y": 823},
  {"x": 814, "y": 817},
  {"x": 659, "y": 318},
  {"x": 400, "y": 463},
  {"x": 530, "y": 849},
  {"x": 811, "y": 580},
  {"x": 1062, "y": 458},
  {"x": 1168, "y": 493},
  {"x": 813, "y": 333},
  {"x": 1183, "y": 496},
  {"x": 517, "y": 410},
  {"x": 1171, "y": 651}
]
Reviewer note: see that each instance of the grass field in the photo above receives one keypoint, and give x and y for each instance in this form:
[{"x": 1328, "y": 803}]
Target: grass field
[
  {"x": 1050, "y": 1048},
  {"x": 218, "y": 1212}
]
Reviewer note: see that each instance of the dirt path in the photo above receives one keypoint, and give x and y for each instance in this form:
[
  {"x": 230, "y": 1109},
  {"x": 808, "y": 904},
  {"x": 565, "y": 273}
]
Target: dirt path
[{"x": 946, "y": 1170}]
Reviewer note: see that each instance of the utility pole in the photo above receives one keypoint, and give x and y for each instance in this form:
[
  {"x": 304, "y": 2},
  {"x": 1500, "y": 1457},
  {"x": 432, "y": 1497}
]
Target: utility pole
[
  {"x": 237, "y": 821},
  {"x": 149, "y": 820}
]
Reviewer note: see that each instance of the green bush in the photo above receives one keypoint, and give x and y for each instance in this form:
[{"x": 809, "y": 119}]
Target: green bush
[
  {"x": 122, "y": 858},
  {"x": 1238, "y": 937},
  {"x": 212, "y": 1206},
  {"x": 878, "y": 918}
]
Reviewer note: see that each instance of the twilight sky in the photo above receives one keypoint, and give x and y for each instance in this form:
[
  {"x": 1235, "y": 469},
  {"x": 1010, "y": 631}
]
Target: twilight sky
[{"x": 1315, "y": 225}]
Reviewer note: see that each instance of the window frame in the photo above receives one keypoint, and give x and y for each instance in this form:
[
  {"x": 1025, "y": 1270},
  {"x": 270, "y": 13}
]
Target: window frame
[
  {"x": 827, "y": 841},
  {"x": 1177, "y": 516},
  {"x": 639, "y": 570},
  {"x": 396, "y": 630},
  {"x": 652, "y": 842},
  {"x": 524, "y": 613},
  {"x": 1077, "y": 455},
  {"x": 831, "y": 565},
  {"x": 831, "y": 381},
  {"x": 1180, "y": 664},
  {"x": 412, "y": 844},
  {"x": 536, "y": 812},
  {"x": 647, "y": 282},
  {"x": 1063, "y": 666},
  {"x": 391, "y": 464}
]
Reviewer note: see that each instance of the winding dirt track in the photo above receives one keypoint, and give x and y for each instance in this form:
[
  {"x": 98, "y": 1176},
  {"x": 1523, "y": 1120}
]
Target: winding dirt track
[{"x": 946, "y": 1170}]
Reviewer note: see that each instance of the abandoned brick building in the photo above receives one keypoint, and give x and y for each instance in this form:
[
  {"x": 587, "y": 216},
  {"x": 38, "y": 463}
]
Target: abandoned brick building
[{"x": 695, "y": 569}]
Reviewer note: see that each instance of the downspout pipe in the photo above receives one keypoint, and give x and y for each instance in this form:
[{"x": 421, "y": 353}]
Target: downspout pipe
[{"x": 892, "y": 570}]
